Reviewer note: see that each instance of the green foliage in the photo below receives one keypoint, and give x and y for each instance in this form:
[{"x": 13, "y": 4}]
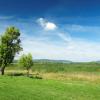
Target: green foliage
[
  {"x": 9, "y": 46},
  {"x": 26, "y": 61}
]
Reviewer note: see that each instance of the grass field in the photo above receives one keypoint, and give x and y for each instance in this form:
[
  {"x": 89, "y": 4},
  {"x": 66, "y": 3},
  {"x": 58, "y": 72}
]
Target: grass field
[
  {"x": 23, "y": 88},
  {"x": 61, "y": 67},
  {"x": 75, "y": 81}
]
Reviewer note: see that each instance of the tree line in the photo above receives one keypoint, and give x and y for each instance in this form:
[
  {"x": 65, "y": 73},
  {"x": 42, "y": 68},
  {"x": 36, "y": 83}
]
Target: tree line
[{"x": 10, "y": 45}]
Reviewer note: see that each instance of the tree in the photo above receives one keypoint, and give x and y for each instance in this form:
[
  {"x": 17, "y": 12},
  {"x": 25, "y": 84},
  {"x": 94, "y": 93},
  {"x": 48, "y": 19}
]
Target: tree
[
  {"x": 9, "y": 47},
  {"x": 26, "y": 61}
]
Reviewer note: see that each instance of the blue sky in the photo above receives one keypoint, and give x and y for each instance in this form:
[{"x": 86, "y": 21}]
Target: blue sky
[{"x": 55, "y": 29}]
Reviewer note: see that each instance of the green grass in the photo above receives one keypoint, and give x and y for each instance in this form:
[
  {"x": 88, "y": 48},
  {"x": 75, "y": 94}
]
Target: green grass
[
  {"x": 72, "y": 67},
  {"x": 60, "y": 67},
  {"x": 74, "y": 81},
  {"x": 23, "y": 88}
]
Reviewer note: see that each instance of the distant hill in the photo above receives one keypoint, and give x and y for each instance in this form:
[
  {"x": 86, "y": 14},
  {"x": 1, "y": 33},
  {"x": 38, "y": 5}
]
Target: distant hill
[
  {"x": 56, "y": 61},
  {"x": 48, "y": 61},
  {"x": 51, "y": 61}
]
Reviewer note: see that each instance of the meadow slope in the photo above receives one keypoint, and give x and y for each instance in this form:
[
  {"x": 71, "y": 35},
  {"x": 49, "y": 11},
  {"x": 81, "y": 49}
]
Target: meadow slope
[{"x": 23, "y": 88}]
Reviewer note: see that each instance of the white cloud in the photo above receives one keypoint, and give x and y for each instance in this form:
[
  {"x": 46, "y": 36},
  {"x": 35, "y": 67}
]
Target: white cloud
[
  {"x": 51, "y": 46},
  {"x": 46, "y": 25},
  {"x": 66, "y": 37},
  {"x": 75, "y": 50},
  {"x": 50, "y": 26},
  {"x": 81, "y": 28}
]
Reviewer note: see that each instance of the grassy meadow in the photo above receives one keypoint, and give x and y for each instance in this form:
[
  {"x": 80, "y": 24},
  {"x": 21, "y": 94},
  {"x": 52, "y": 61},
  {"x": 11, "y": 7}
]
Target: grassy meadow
[
  {"x": 54, "y": 67},
  {"x": 59, "y": 81},
  {"x": 23, "y": 88}
]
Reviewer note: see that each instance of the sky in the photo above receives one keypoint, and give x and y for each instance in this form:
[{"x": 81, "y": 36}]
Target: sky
[{"x": 55, "y": 29}]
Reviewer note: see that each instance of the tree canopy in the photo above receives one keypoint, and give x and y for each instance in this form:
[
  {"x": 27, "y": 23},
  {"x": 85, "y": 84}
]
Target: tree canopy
[
  {"x": 9, "y": 46},
  {"x": 26, "y": 61}
]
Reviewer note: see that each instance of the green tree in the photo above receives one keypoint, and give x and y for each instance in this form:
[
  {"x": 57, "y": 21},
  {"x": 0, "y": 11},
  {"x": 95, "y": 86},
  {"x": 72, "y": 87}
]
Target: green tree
[
  {"x": 26, "y": 61},
  {"x": 9, "y": 47}
]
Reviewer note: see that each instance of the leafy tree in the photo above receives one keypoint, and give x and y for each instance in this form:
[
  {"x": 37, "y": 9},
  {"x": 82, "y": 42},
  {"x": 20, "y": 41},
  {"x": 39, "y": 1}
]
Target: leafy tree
[
  {"x": 9, "y": 47},
  {"x": 26, "y": 61}
]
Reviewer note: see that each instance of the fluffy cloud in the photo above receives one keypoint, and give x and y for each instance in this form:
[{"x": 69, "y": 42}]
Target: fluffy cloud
[
  {"x": 75, "y": 50},
  {"x": 46, "y": 24},
  {"x": 57, "y": 44}
]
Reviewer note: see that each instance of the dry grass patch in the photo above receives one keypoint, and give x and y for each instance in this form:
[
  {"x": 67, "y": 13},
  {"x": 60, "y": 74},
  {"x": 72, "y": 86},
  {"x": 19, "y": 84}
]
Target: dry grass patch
[{"x": 72, "y": 76}]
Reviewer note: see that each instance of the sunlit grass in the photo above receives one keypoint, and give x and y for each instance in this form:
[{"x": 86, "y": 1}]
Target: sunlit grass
[
  {"x": 24, "y": 88},
  {"x": 59, "y": 82}
]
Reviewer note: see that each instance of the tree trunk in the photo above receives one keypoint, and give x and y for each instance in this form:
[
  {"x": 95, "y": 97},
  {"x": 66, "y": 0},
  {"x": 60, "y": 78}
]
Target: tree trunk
[
  {"x": 27, "y": 72},
  {"x": 2, "y": 70}
]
